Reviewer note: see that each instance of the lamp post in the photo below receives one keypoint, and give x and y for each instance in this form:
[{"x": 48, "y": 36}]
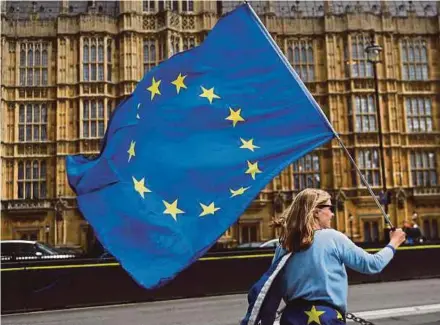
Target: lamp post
[{"x": 373, "y": 56}]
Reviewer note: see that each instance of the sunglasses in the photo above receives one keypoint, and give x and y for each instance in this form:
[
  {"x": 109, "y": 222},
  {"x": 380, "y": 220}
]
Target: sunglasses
[{"x": 330, "y": 206}]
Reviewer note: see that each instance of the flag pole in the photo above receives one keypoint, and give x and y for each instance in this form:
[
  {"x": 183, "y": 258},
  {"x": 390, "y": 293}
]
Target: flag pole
[
  {"x": 386, "y": 217},
  {"x": 318, "y": 108}
]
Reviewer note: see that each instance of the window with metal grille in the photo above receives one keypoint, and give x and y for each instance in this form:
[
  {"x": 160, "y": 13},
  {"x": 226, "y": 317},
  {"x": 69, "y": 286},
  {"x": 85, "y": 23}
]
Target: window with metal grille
[
  {"x": 31, "y": 183},
  {"x": 423, "y": 168},
  {"x": 33, "y": 64},
  {"x": 306, "y": 172},
  {"x": 418, "y": 114},
  {"x": 414, "y": 59},
  {"x": 32, "y": 122},
  {"x": 300, "y": 56}
]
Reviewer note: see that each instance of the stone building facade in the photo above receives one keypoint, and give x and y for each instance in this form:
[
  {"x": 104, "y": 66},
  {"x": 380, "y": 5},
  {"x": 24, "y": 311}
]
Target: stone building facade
[{"x": 65, "y": 66}]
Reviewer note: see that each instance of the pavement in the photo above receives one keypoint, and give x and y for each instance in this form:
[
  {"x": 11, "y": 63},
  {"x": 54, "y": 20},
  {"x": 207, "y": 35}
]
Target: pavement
[{"x": 415, "y": 302}]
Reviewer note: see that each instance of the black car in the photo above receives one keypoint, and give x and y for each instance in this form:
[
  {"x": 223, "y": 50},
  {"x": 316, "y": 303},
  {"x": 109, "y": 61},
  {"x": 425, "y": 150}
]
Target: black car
[{"x": 22, "y": 250}]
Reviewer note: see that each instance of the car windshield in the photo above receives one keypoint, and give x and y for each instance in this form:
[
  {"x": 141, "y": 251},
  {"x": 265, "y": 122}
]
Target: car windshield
[{"x": 46, "y": 249}]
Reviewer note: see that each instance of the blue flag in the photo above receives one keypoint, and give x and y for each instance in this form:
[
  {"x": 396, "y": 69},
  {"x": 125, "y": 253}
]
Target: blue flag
[{"x": 198, "y": 139}]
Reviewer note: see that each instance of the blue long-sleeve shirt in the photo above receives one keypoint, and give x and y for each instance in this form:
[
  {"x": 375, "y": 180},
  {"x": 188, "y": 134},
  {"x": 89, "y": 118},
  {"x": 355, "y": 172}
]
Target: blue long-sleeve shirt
[{"x": 318, "y": 273}]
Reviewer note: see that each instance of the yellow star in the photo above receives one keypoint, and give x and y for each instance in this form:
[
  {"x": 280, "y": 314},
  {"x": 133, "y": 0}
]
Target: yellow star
[
  {"x": 339, "y": 316},
  {"x": 240, "y": 191},
  {"x": 248, "y": 144},
  {"x": 208, "y": 93},
  {"x": 154, "y": 88},
  {"x": 253, "y": 169},
  {"x": 131, "y": 152},
  {"x": 314, "y": 315},
  {"x": 139, "y": 186},
  {"x": 234, "y": 116},
  {"x": 172, "y": 209},
  {"x": 179, "y": 82},
  {"x": 208, "y": 209}
]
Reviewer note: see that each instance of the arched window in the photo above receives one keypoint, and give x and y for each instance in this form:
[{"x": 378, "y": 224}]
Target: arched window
[
  {"x": 290, "y": 54},
  {"x": 20, "y": 170},
  {"x": 152, "y": 52},
  {"x": 86, "y": 54},
  {"x": 310, "y": 55},
  {"x": 30, "y": 58},
  {"x": 423, "y": 56},
  {"x": 101, "y": 53},
  {"x": 411, "y": 54},
  {"x": 37, "y": 58},
  {"x": 109, "y": 109},
  {"x": 21, "y": 114},
  {"x": 28, "y": 170},
  {"x": 297, "y": 59},
  {"x": 44, "y": 58},
  {"x": 93, "y": 53},
  {"x": 146, "y": 52},
  {"x": 23, "y": 58},
  {"x": 35, "y": 170},
  {"x": 109, "y": 51}
]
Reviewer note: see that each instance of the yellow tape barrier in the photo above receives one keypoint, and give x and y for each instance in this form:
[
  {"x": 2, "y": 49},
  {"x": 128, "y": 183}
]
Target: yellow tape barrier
[{"x": 54, "y": 267}]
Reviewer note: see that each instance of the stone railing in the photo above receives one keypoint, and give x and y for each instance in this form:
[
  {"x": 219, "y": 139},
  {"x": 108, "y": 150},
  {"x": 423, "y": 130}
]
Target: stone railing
[{"x": 426, "y": 191}]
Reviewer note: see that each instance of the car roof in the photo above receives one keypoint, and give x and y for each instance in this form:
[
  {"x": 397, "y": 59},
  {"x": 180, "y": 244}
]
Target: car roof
[{"x": 18, "y": 241}]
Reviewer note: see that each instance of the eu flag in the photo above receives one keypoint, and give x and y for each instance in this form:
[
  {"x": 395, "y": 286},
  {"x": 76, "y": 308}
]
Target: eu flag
[{"x": 198, "y": 139}]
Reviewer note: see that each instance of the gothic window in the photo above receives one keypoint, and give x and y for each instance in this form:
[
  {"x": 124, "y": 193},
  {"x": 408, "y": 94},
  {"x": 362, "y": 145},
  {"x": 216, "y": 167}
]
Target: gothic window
[
  {"x": 109, "y": 60},
  {"x": 364, "y": 117},
  {"x": 93, "y": 59},
  {"x": 148, "y": 5},
  {"x": 301, "y": 57},
  {"x": 32, "y": 122},
  {"x": 109, "y": 109},
  {"x": 93, "y": 119},
  {"x": 149, "y": 54},
  {"x": 187, "y": 6},
  {"x": 368, "y": 162},
  {"x": 360, "y": 67},
  {"x": 31, "y": 183},
  {"x": 188, "y": 42},
  {"x": 414, "y": 59},
  {"x": 33, "y": 64},
  {"x": 423, "y": 168},
  {"x": 418, "y": 114},
  {"x": 175, "y": 46},
  {"x": 306, "y": 172}
]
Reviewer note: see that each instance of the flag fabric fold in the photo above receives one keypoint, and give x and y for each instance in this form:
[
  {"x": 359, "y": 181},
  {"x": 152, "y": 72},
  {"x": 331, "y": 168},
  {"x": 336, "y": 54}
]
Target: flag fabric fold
[
  {"x": 199, "y": 138},
  {"x": 266, "y": 294}
]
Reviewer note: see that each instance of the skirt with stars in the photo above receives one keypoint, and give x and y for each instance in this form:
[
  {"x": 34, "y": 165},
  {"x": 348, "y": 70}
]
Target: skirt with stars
[{"x": 303, "y": 312}]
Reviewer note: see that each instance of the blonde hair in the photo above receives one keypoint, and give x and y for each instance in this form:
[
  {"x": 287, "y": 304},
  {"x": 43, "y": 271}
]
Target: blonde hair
[{"x": 298, "y": 220}]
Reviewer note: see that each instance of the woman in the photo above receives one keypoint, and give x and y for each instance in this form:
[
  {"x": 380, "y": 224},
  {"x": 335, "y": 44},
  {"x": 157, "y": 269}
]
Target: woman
[{"x": 314, "y": 279}]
